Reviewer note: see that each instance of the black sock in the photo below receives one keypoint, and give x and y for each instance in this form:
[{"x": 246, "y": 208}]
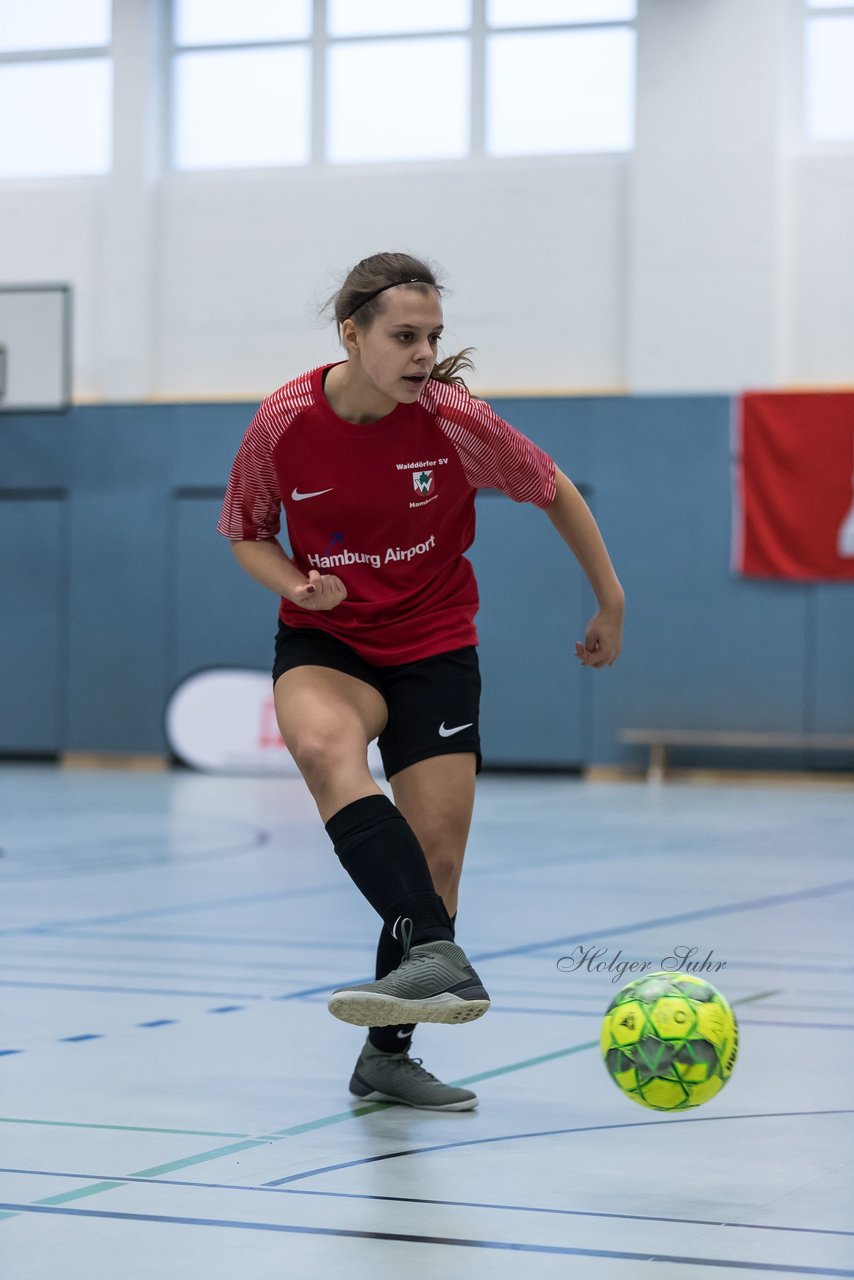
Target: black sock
[
  {"x": 397, "y": 1039},
  {"x": 379, "y": 851}
]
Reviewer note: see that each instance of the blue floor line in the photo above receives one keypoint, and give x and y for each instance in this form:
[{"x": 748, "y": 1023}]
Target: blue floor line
[
  {"x": 551, "y": 1133},
  {"x": 842, "y": 886},
  {"x": 190, "y": 908},
  {"x": 136, "y": 991},
  {"x": 423, "y": 1200},
  {"x": 233, "y": 972},
  {"x": 450, "y": 1204},
  {"x": 200, "y": 939},
  {"x": 704, "y": 913},
  {"x": 408, "y": 1238}
]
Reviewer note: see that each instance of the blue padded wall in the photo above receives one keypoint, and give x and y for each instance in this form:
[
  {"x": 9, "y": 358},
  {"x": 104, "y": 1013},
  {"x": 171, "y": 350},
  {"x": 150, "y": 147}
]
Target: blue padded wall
[
  {"x": 533, "y": 707},
  {"x": 128, "y": 587},
  {"x": 220, "y": 616},
  {"x": 32, "y": 619},
  {"x": 704, "y": 647},
  {"x": 119, "y": 485}
]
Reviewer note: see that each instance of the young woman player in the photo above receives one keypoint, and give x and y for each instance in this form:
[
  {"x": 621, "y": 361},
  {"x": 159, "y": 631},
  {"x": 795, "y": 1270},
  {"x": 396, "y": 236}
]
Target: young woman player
[{"x": 376, "y": 460}]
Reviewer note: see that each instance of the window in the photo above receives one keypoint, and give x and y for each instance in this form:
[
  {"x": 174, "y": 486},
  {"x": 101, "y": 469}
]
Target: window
[
  {"x": 224, "y": 22},
  {"x": 54, "y": 24},
  {"x": 402, "y": 112},
  {"x": 828, "y": 75},
  {"x": 551, "y": 13},
  {"x": 241, "y": 84},
  {"x": 242, "y": 108},
  {"x": 390, "y": 17},
  {"x": 256, "y": 84},
  {"x": 55, "y": 88},
  {"x": 562, "y": 91}
]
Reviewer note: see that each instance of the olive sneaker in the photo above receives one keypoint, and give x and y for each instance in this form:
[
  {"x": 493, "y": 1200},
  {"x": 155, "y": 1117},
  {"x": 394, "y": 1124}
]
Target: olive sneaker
[
  {"x": 395, "y": 1077},
  {"x": 434, "y": 982}
]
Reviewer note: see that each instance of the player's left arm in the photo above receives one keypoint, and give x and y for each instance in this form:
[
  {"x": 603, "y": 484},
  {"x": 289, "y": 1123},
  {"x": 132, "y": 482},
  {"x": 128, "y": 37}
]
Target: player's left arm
[{"x": 573, "y": 519}]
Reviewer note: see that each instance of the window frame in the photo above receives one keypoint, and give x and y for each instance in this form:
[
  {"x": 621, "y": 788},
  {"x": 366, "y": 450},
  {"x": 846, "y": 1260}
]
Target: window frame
[
  {"x": 803, "y": 15},
  {"x": 61, "y": 53},
  {"x": 320, "y": 41}
]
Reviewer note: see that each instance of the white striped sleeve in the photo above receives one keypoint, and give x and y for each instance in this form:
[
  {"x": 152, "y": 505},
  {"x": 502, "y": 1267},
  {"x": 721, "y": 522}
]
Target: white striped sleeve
[
  {"x": 251, "y": 509},
  {"x": 494, "y": 455}
]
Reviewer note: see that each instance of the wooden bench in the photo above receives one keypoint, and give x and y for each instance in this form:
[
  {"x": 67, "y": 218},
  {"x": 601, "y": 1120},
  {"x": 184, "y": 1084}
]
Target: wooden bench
[{"x": 658, "y": 740}]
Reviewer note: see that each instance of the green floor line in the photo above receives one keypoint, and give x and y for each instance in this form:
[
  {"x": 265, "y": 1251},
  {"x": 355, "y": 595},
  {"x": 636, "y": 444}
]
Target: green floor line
[
  {"x": 205, "y": 1156},
  {"x": 202, "y": 1158},
  {"x": 219, "y": 1152},
  {"x": 352, "y": 1114},
  {"x": 122, "y": 1128},
  {"x": 93, "y": 1190},
  {"x": 528, "y": 1062}
]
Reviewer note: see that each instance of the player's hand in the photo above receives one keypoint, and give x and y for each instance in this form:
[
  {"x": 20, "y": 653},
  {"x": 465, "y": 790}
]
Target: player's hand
[
  {"x": 602, "y": 640},
  {"x": 322, "y": 591}
]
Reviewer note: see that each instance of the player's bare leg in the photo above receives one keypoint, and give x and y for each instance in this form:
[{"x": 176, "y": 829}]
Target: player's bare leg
[
  {"x": 436, "y": 796},
  {"x": 327, "y": 719}
]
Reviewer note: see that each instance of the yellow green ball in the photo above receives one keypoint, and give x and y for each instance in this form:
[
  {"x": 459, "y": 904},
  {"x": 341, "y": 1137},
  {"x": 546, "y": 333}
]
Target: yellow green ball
[{"x": 669, "y": 1040}]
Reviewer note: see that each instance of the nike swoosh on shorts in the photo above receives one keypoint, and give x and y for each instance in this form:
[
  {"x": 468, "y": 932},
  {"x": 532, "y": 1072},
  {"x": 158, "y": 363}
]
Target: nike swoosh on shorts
[
  {"x": 446, "y": 733},
  {"x": 299, "y": 497}
]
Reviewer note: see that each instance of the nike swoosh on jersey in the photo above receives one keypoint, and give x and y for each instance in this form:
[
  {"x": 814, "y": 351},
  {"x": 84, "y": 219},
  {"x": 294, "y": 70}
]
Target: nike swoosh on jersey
[
  {"x": 446, "y": 733},
  {"x": 300, "y": 497},
  {"x": 404, "y": 1035}
]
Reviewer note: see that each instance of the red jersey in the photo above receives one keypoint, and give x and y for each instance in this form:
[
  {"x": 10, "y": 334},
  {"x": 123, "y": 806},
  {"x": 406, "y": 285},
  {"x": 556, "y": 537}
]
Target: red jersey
[{"x": 386, "y": 506}]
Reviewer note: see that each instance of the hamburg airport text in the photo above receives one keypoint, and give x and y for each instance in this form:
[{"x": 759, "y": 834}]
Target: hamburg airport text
[
  {"x": 593, "y": 959},
  {"x": 372, "y": 557}
]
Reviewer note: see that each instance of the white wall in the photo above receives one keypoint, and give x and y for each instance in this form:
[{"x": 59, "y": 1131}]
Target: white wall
[
  {"x": 704, "y": 229},
  {"x": 531, "y": 253},
  {"x": 819, "y": 339},
  {"x": 717, "y": 256}
]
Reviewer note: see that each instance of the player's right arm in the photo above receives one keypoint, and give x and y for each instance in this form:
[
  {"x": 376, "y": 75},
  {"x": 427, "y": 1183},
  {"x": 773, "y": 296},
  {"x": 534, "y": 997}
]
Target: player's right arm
[
  {"x": 251, "y": 514},
  {"x": 266, "y": 562}
]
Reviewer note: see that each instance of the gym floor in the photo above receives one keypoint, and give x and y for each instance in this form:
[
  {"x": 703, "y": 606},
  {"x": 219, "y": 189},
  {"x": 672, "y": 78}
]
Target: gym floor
[{"x": 174, "y": 1092}]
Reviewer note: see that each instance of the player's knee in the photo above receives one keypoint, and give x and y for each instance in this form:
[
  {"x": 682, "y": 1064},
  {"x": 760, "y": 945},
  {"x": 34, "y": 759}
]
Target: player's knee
[{"x": 321, "y": 751}]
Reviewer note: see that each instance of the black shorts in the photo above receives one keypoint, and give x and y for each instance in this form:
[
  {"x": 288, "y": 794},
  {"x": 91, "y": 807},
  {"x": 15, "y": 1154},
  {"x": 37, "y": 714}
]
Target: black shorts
[{"x": 433, "y": 704}]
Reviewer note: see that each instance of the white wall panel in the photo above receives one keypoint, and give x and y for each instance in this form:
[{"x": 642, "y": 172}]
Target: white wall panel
[
  {"x": 715, "y": 256},
  {"x": 704, "y": 216},
  {"x": 531, "y": 254},
  {"x": 820, "y": 348},
  {"x": 49, "y": 234}
]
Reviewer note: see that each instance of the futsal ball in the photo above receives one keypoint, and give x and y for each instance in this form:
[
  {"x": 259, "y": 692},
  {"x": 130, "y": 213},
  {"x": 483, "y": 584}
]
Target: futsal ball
[{"x": 669, "y": 1041}]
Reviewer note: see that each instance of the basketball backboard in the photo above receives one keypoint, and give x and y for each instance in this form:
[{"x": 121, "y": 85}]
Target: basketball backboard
[{"x": 35, "y": 347}]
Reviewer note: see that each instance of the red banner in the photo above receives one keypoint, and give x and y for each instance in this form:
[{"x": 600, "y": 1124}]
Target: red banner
[{"x": 794, "y": 499}]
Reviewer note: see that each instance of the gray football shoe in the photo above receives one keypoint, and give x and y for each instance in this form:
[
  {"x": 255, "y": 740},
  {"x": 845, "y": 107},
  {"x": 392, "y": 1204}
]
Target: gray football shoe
[
  {"x": 395, "y": 1077},
  {"x": 434, "y": 982}
]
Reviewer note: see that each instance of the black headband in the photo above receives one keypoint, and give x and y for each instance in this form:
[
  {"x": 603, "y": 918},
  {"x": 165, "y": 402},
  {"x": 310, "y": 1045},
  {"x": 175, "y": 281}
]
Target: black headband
[{"x": 393, "y": 285}]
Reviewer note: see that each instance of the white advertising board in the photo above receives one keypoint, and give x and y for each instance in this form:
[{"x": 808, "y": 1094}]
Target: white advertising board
[{"x": 223, "y": 720}]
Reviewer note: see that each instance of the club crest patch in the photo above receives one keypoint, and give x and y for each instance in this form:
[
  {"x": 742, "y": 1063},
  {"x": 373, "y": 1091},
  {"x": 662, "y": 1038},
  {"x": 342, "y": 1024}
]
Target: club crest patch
[{"x": 422, "y": 482}]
